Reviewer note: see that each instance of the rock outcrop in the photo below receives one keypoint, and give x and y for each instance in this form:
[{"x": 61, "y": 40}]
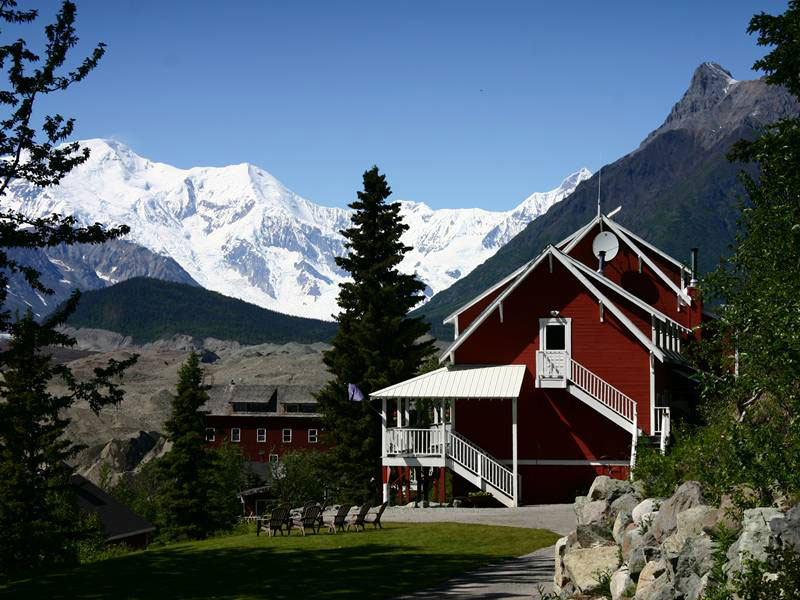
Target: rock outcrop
[{"x": 661, "y": 548}]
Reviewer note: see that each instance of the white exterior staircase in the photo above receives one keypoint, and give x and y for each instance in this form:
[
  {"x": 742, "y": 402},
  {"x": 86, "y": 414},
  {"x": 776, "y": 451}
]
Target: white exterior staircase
[
  {"x": 557, "y": 369},
  {"x": 459, "y": 455}
]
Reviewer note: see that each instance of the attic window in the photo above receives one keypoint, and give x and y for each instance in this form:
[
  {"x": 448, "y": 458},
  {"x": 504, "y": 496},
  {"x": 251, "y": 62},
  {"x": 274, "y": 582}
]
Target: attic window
[
  {"x": 556, "y": 337},
  {"x": 257, "y": 407}
]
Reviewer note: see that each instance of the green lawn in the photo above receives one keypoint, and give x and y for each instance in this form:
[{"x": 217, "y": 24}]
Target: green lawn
[{"x": 371, "y": 564}]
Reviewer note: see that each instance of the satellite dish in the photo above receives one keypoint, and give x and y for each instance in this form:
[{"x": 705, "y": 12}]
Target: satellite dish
[{"x": 605, "y": 241}]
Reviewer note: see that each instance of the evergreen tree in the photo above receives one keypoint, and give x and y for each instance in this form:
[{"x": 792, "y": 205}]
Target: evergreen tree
[
  {"x": 377, "y": 344},
  {"x": 187, "y": 464},
  {"x": 198, "y": 483},
  {"x": 38, "y": 516},
  {"x": 36, "y": 508}
]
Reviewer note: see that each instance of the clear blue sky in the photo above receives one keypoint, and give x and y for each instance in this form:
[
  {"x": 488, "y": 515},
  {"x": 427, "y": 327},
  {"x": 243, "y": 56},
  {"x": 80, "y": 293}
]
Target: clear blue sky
[{"x": 460, "y": 103}]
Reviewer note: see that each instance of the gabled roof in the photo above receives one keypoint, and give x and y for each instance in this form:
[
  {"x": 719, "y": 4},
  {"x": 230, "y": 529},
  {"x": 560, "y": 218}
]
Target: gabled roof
[
  {"x": 118, "y": 521},
  {"x": 460, "y": 381},
  {"x": 627, "y": 295},
  {"x": 483, "y": 295},
  {"x": 569, "y": 264}
]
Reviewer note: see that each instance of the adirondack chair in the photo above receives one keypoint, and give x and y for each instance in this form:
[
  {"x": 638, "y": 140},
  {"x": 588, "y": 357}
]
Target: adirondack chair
[
  {"x": 375, "y": 518},
  {"x": 358, "y": 520},
  {"x": 338, "y": 521},
  {"x": 275, "y": 522},
  {"x": 308, "y": 519}
]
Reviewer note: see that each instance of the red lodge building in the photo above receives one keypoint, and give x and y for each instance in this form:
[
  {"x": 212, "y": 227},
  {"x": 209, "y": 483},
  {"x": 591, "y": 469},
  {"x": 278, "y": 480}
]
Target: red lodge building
[
  {"x": 264, "y": 420},
  {"x": 555, "y": 372}
]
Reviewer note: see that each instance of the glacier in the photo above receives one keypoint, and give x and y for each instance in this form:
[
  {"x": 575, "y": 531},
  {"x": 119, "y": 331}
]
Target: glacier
[{"x": 239, "y": 231}]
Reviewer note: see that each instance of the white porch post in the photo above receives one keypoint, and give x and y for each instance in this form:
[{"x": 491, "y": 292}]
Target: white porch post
[
  {"x": 407, "y": 412},
  {"x": 444, "y": 434},
  {"x": 385, "y": 485},
  {"x": 514, "y": 449}
]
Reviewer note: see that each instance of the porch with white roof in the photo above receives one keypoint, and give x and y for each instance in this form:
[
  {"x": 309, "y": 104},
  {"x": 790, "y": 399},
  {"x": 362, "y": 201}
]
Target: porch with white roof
[{"x": 404, "y": 445}]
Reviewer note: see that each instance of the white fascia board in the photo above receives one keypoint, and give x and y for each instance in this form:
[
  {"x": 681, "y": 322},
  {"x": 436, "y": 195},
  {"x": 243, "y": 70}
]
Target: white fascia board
[
  {"x": 483, "y": 295},
  {"x": 626, "y": 294},
  {"x": 489, "y": 309},
  {"x": 388, "y": 389},
  {"x": 651, "y": 247},
  {"x": 580, "y": 234},
  {"x": 646, "y": 342},
  {"x": 663, "y": 276}
]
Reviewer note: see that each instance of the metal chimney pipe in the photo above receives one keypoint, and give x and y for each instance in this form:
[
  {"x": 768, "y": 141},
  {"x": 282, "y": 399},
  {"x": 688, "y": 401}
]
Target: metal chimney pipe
[
  {"x": 693, "y": 282},
  {"x": 602, "y": 258}
]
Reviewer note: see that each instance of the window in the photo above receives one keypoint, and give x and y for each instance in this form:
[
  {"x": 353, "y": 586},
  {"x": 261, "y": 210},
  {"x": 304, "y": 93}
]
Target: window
[
  {"x": 236, "y": 434},
  {"x": 292, "y": 408},
  {"x": 313, "y": 436},
  {"x": 210, "y": 437},
  {"x": 273, "y": 458},
  {"x": 261, "y": 435},
  {"x": 287, "y": 436},
  {"x": 554, "y": 334},
  {"x": 257, "y": 407}
]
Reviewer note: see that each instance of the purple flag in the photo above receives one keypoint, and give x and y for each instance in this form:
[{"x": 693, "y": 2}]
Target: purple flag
[{"x": 353, "y": 393}]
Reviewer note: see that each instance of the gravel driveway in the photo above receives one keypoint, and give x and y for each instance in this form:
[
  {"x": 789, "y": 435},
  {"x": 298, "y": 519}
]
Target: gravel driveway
[{"x": 515, "y": 578}]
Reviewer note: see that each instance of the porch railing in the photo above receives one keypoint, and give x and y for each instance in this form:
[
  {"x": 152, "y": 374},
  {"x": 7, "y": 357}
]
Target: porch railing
[{"x": 402, "y": 441}]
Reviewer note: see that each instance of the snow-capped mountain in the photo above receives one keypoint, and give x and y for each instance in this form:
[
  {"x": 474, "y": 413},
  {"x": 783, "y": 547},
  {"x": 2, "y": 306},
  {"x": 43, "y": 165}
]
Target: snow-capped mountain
[{"x": 238, "y": 231}]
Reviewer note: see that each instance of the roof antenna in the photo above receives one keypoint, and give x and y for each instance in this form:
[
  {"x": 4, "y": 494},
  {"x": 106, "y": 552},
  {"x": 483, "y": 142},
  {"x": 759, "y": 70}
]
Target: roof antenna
[{"x": 599, "y": 179}]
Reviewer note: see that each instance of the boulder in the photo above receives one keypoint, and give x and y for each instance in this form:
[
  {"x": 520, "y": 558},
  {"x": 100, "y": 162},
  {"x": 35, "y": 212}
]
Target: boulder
[
  {"x": 665, "y": 523},
  {"x": 560, "y": 578},
  {"x": 640, "y": 557},
  {"x": 620, "y": 523},
  {"x": 652, "y": 572},
  {"x": 593, "y": 535},
  {"x": 631, "y": 540},
  {"x": 647, "y": 506},
  {"x": 584, "y": 564},
  {"x": 608, "y": 489},
  {"x": 695, "y": 560},
  {"x": 622, "y": 585},
  {"x": 625, "y": 503},
  {"x": 691, "y": 522},
  {"x": 791, "y": 533},
  {"x": 761, "y": 530},
  {"x": 590, "y": 511},
  {"x": 728, "y": 515},
  {"x": 660, "y": 589}
]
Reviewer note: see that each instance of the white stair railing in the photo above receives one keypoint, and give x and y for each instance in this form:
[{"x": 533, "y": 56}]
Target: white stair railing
[
  {"x": 479, "y": 462},
  {"x": 662, "y": 426},
  {"x": 402, "y": 441},
  {"x": 603, "y": 391}
]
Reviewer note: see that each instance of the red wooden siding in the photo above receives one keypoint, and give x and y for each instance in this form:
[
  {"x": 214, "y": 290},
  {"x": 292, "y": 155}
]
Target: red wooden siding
[{"x": 254, "y": 450}]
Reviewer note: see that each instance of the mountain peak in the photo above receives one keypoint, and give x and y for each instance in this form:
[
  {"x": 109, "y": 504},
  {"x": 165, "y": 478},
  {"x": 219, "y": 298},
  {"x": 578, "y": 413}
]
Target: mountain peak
[{"x": 710, "y": 84}]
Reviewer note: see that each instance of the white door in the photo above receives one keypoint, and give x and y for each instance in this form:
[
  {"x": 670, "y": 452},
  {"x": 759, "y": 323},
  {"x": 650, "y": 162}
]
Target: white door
[{"x": 555, "y": 342}]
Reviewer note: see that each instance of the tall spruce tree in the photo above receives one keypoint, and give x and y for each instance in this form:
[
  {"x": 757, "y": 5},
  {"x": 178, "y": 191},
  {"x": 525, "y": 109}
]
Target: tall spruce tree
[
  {"x": 186, "y": 466},
  {"x": 32, "y": 426},
  {"x": 37, "y": 511},
  {"x": 377, "y": 344}
]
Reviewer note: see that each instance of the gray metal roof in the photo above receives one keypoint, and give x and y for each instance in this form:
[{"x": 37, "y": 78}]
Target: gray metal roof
[{"x": 222, "y": 397}]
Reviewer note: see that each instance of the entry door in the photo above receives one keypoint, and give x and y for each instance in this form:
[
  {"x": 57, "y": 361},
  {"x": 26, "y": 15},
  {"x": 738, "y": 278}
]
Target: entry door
[{"x": 555, "y": 344}]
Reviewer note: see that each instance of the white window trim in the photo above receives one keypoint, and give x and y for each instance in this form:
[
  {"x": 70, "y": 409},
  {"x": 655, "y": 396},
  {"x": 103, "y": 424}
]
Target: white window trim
[
  {"x": 238, "y": 431},
  {"x": 285, "y": 441},
  {"x": 261, "y": 435},
  {"x": 566, "y": 321},
  {"x": 316, "y": 436},
  {"x": 273, "y": 458},
  {"x": 213, "y": 432}
]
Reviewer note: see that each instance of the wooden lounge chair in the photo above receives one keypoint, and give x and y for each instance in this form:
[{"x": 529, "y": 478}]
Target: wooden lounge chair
[
  {"x": 358, "y": 520},
  {"x": 275, "y": 522},
  {"x": 338, "y": 521},
  {"x": 375, "y": 518},
  {"x": 308, "y": 519}
]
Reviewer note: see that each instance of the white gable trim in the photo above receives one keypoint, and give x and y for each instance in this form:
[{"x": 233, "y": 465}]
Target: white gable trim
[
  {"x": 626, "y": 294},
  {"x": 650, "y": 246},
  {"x": 663, "y": 276},
  {"x": 580, "y": 235},
  {"x": 483, "y": 295},
  {"x": 567, "y": 262},
  {"x": 646, "y": 342},
  {"x": 489, "y": 309}
]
